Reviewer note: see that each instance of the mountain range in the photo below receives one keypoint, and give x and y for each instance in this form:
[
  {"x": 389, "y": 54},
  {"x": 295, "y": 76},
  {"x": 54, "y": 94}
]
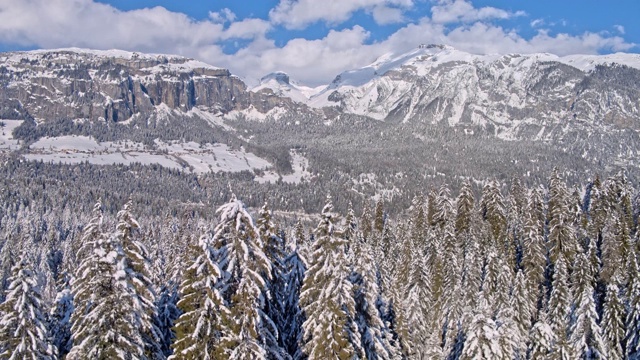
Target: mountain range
[{"x": 432, "y": 113}]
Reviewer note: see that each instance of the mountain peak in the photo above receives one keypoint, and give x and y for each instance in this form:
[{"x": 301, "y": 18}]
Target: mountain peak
[
  {"x": 435, "y": 46},
  {"x": 280, "y": 77}
]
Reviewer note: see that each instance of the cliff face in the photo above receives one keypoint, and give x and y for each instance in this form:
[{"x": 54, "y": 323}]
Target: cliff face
[{"x": 115, "y": 85}]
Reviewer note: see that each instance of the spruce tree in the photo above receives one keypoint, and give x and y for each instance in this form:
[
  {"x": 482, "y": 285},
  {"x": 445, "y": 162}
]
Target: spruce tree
[
  {"x": 246, "y": 269},
  {"x": 23, "y": 330},
  {"x": 199, "y": 328},
  {"x": 482, "y": 340},
  {"x": 613, "y": 323},
  {"x": 542, "y": 339},
  {"x": 137, "y": 260},
  {"x": 632, "y": 336},
  {"x": 275, "y": 290},
  {"x": 106, "y": 322},
  {"x": 326, "y": 297},
  {"x": 60, "y": 317},
  {"x": 559, "y": 311},
  {"x": 295, "y": 270},
  {"x": 586, "y": 335},
  {"x": 373, "y": 332}
]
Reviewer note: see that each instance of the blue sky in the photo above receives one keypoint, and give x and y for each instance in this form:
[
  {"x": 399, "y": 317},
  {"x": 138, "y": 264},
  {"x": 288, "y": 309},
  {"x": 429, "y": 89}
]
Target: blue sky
[{"x": 314, "y": 40}]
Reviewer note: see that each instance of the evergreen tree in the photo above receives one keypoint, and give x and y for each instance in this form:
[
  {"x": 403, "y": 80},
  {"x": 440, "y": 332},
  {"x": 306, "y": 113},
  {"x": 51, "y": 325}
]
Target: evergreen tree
[
  {"x": 275, "y": 291},
  {"x": 586, "y": 335},
  {"x": 542, "y": 339},
  {"x": 199, "y": 328},
  {"x": 326, "y": 297},
  {"x": 632, "y": 335},
  {"x": 137, "y": 260},
  {"x": 60, "y": 317},
  {"x": 559, "y": 311},
  {"x": 482, "y": 337},
  {"x": 520, "y": 303},
  {"x": 613, "y": 323},
  {"x": 106, "y": 322},
  {"x": 23, "y": 331},
  {"x": 561, "y": 235},
  {"x": 241, "y": 256},
  {"x": 373, "y": 331},
  {"x": 293, "y": 316}
]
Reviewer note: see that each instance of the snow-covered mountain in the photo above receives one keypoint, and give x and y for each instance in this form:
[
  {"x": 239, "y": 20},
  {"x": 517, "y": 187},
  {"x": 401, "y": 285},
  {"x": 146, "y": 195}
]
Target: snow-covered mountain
[
  {"x": 114, "y": 85},
  {"x": 280, "y": 84},
  {"x": 433, "y": 110},
  {"x": 435, "y": 83}
]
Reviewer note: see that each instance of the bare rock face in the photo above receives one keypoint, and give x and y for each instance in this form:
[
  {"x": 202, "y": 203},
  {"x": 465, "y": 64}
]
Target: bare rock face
[{"x": 115, "y": 85}]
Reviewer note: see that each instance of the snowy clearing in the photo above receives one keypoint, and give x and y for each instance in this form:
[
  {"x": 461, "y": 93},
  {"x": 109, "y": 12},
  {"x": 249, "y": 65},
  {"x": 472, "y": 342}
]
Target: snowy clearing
[{"x": 189, "y": 156}]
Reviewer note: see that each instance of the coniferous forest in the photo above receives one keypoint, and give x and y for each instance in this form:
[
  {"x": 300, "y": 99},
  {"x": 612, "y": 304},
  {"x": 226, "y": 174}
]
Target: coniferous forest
[{"x": 541, "y": 272}]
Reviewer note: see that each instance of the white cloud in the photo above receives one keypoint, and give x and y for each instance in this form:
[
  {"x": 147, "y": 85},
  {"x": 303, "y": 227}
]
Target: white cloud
[
  {"x": 298, "y": 14},
  {"x": 619, "y": 28},
  {"x": 537, "y": 23},
  {"x": 222, "y": 16},
  {"x": 383, "y": 15},
  {"x": 463, "y": 11}
]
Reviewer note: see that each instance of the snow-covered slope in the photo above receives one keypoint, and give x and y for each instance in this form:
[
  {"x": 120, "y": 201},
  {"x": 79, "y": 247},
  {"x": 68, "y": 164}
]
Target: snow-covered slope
[
  {"x": 435, "y": 83},
  {"x": 280, "y": 84}
]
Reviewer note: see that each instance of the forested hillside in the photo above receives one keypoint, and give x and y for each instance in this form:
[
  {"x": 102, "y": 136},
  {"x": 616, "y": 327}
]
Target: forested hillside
[{"x": 516, "y": 272}]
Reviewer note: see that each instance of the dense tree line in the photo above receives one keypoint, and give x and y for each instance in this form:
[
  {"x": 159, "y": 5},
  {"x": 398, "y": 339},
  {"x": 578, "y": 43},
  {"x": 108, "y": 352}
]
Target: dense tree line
[{"x": 547, "y": 272}]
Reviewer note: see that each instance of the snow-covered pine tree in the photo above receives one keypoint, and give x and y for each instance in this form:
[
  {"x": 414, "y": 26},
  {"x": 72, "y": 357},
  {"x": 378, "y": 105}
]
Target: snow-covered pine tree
[
  {"x": 374, "y": 334},
  {"x": 561, "y": 235},
  {"x": 613, "y": 323},
  {"x": 534, "y": 257},
  {"x": 326, "y": 297},
  {"x": 493, "y": 210},
  {"x": 199, "y": 328},
  {"x": 541, "y": 338},
  {"x": 559, "y": 311},
  {"x": 632, "y": 335},
  {"x": 60, "y": 316},
  {"x": 483, "y": 339},
  {"x": 275, "y": 291},
  {"x": 137, "y": 260},
  {"x": 586, "y": 335},
  {"x": 465, "y": 203},
  {"x": 23, "y": 328},
  {"x": 242, "y": 259},
  {"x": 520, "y": 303},
  {"x": 168, "y": 312},
  {"x": 379, "y": 217},
  {"x": 106, "y": 321},
  {"x": 295, "y": 270}
]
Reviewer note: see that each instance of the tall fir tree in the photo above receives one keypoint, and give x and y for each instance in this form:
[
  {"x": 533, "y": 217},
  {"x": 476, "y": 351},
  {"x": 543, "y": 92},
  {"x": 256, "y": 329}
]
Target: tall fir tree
[
  {"x": 613, "y": 323},
  {"x": 295, "y": 267},
  {"x": 137, "y": 262},
  {"x": 199, "y": 328},
  {"x": 586, "y": 334},
  {"x": 106, "y": 322},
  {"x": 559, "y": 312},
  {"x": 246, "y": 269},
  {"x": 329, "y": 330},
  {"x": 23, "y": 327}
]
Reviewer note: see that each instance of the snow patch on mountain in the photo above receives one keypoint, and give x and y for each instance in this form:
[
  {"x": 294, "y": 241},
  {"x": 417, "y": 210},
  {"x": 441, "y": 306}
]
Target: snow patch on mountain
[{"x": 281, "y": 85}]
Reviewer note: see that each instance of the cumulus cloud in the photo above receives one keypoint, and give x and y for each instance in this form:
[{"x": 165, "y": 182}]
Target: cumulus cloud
[
  {"x": 298, "y": 14},
  {"x": 463, "y": 11},
  {"x": 85, "y": 23}
]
